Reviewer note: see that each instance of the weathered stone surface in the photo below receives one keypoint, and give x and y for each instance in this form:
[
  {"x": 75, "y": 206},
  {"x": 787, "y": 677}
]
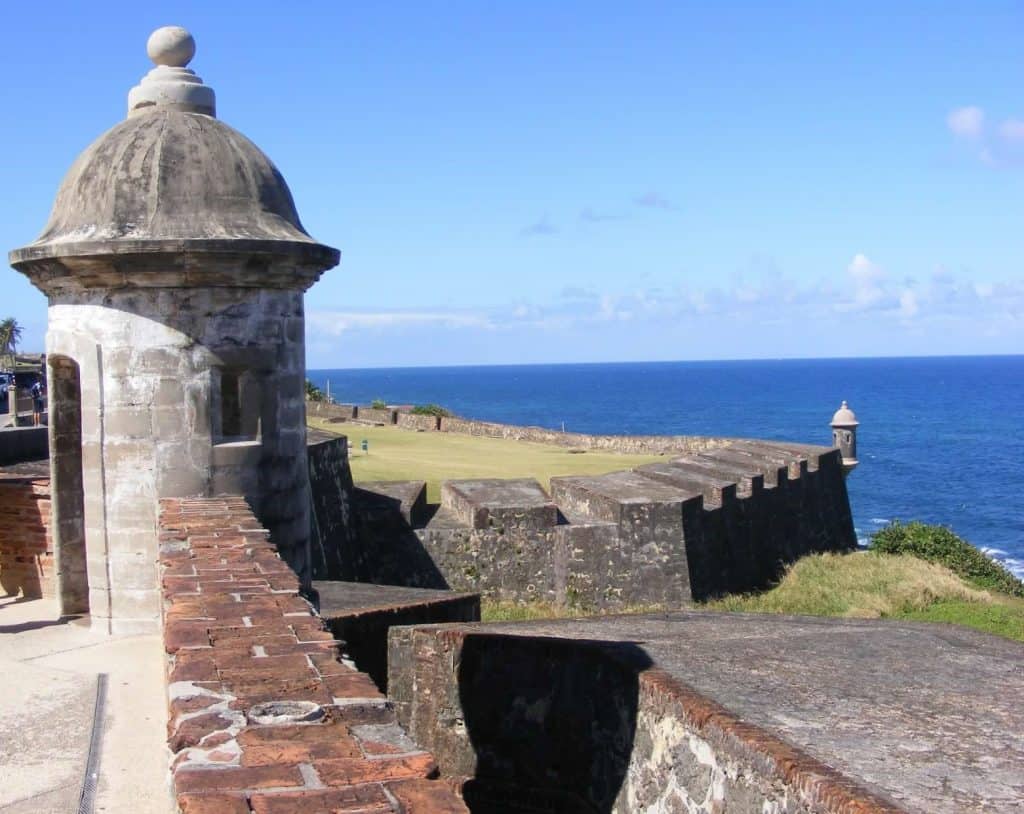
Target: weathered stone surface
[
  {"x": 361, "y": 615},
  {"x": 733, "y": 712},
  {"x": 420, "y": 423},
  {"x": 171, "y": 182},
  {"x": 499, "y": 503}
]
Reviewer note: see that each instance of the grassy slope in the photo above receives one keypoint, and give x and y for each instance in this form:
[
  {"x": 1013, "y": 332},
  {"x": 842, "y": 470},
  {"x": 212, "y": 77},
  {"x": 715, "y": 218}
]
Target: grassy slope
[
  {"x": 869, "y": 585},
  {"x": 399, "y": 454}
]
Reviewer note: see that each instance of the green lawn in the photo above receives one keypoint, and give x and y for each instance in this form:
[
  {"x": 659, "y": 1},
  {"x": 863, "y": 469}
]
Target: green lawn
[{"x": 400, "y": 454}]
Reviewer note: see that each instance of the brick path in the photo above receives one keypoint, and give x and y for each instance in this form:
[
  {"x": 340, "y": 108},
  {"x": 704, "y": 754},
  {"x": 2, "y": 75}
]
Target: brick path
[{"x": 238, "y": 636}]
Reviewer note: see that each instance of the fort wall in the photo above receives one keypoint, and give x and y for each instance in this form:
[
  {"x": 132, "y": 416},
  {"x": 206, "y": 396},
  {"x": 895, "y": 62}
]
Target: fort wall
[
  {"x": 332, "y": 522},
  {"x": 627, "y": 444},
  {"x": 725, "y": 520}
]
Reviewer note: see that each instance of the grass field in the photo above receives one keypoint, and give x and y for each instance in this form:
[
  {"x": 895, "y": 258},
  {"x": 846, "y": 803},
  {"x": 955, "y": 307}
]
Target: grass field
[
  {"x": 400, "y": 454},
  {"x": 869, "y": 585},
  {"x": 861, "y": 585}
]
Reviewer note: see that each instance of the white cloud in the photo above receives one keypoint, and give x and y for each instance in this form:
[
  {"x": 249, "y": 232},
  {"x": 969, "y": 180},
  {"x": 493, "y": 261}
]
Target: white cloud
[
  {"x": 908, "y": 304},
  {"x": 1012, "y": 130},
  {"x": 942, "y": 304},
  {"x": 868, "y": 288},
  {"x": 966, "y": 122},
  {"x": 335, "y": 323}
]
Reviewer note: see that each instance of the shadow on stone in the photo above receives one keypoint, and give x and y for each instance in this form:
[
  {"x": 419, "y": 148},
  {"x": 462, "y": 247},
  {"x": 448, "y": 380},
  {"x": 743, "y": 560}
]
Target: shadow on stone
[
  {"x": 388, "y": 552},
  {"x": 551, "y": 722}
]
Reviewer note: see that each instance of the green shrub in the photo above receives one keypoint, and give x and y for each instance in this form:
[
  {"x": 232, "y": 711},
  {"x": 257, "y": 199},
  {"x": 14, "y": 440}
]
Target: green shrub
[
  {"x": 313, "y": 393},
  {"x": 379, "y": 404},
  {"x": 940, "y": 545},
  {"x": 431, "y": 409}
]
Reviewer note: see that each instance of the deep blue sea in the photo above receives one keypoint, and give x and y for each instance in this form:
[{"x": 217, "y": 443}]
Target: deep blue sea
[{"x": 941, "y": 439}]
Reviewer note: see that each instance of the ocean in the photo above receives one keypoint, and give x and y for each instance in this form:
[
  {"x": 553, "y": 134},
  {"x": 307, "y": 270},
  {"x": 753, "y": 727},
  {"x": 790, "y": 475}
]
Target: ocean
[{"x": 940, "y": 438}]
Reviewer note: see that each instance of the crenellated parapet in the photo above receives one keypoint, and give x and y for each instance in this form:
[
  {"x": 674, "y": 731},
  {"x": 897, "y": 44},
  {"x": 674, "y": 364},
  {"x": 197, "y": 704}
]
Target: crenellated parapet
[{"x": 721, "y": 520}]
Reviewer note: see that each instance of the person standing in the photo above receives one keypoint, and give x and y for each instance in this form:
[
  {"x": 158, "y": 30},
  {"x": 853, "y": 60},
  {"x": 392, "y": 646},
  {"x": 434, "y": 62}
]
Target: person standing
[{"x": 38, "y": 402}]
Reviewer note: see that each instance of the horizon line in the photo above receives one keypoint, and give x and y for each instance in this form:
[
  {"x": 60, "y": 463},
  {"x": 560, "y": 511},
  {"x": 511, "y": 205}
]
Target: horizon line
[{"x": 673, "y": 361}]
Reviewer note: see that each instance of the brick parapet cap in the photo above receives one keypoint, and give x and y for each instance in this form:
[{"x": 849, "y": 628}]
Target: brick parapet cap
[{"x": 264, "y": 714}]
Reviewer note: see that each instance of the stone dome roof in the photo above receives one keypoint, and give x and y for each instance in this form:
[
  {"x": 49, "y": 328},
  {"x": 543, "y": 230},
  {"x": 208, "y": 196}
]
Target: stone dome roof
[
  {"x": 168, "y": 175},
  {"x": 844, "y": 417},
  {"x": 173, "y": 179}
]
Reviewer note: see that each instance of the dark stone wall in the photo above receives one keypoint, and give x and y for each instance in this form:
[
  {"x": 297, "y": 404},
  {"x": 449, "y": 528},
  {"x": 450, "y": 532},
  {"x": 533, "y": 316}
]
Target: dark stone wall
[
  {"x": 333, "y": 526},
  {"x": 546, "y": 724},
  {"x": 23, "y": 444}
]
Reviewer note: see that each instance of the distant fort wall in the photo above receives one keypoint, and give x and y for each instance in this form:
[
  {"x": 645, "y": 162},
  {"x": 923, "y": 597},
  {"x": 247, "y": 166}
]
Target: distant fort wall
[{"x": 627, "y": 444}]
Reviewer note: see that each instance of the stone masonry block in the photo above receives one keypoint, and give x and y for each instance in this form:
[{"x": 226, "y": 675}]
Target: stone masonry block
[{"x": 497, "y": 503}]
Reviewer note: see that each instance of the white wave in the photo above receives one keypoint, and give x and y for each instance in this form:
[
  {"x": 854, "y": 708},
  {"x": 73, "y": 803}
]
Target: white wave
[
  {"x": 1016, "y": 567},
  {"x": 880, "y": 521},
  {"x": 1012, "y": 564}
]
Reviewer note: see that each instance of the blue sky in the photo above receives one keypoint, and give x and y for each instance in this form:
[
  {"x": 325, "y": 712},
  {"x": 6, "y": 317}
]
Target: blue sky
[{"x": 559, "y": 182}]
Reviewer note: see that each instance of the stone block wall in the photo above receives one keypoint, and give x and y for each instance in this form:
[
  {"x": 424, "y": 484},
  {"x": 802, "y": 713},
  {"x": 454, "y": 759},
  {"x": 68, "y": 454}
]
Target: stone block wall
[
  {"x": 333, "y": 526},
  {"x": 26, "y": 546},
  {"x": 548, "y": 724},
  {"x": 264, "y": 717},
  {"x": 322, "y": 409},
  {"x": 726, "y": 520},
  {"x": 373, "y": 415},
  {"x": 628, "y": 444},
  {"x": 421, "y": 423},
  {"x": 182, "y": 392}
]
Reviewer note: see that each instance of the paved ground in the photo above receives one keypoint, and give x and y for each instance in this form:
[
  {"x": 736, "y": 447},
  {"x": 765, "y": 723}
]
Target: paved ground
[
  {"x": 930, "y": 714},
  {"x": 49, "y": 672}
]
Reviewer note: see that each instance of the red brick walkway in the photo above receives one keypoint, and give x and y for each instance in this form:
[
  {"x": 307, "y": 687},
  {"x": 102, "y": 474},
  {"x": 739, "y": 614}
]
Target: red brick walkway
[{"x": 241, "y": 644}]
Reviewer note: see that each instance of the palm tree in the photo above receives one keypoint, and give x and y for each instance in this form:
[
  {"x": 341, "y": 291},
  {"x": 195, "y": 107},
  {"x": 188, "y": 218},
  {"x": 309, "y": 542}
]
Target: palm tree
[{"x": 10, "y": 334}]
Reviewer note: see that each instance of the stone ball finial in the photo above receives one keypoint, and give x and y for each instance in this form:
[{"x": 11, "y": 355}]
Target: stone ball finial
[
  {"x": 171, "y": 45},
  {"x": 170, "y": 85}
]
